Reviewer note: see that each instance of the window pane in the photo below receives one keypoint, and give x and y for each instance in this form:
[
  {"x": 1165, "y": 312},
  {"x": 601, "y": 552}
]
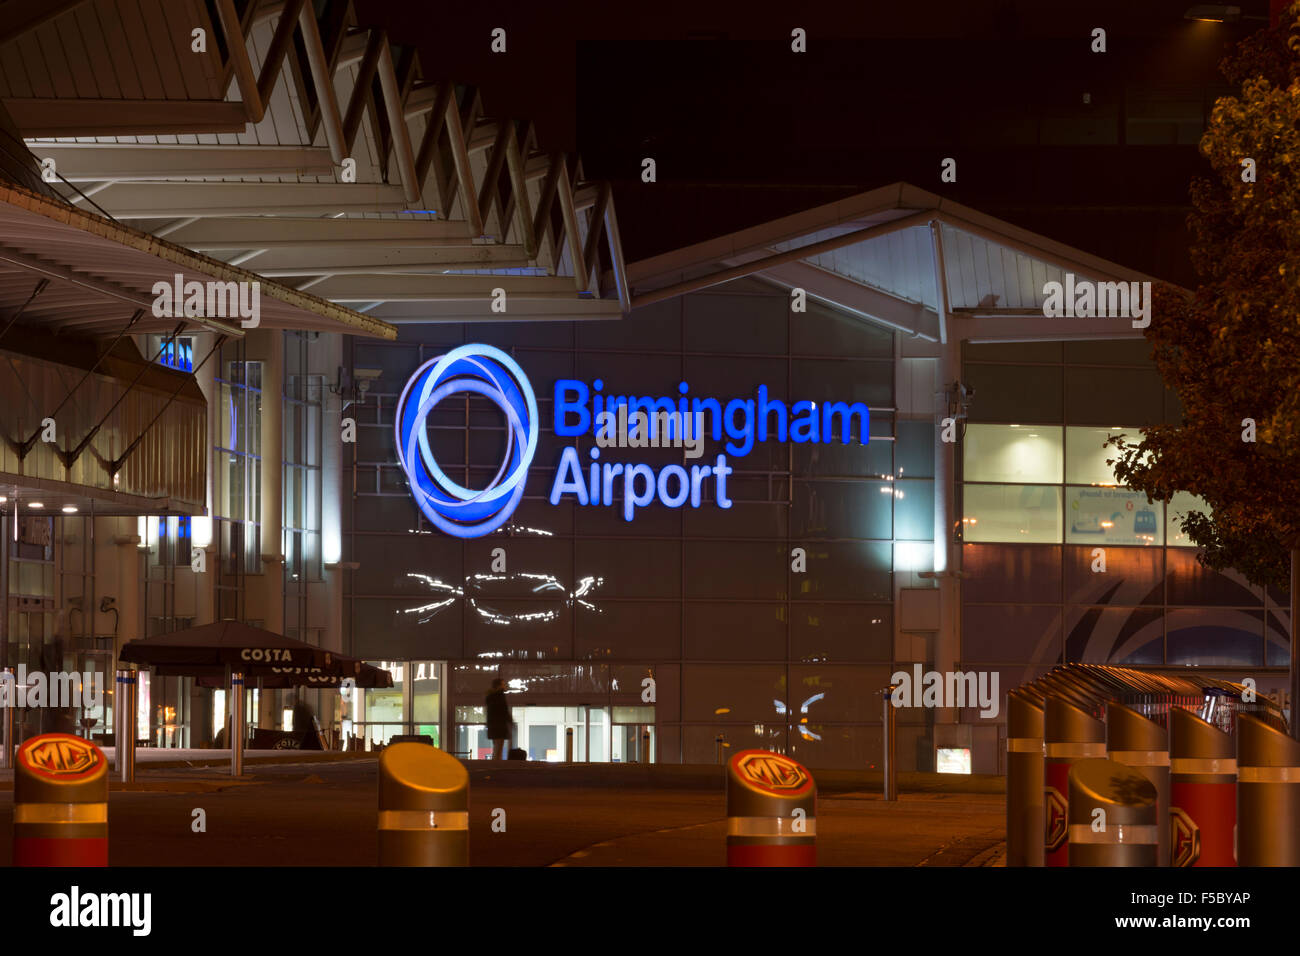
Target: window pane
[
  {"x": 1086, "y": 453},
  {"x": 1015, "y": 393},
  {"x": 913, "y": 510},
  {"x": 1025, "y": 513},
  {"x": 841, "y": 632},
  {"x": 845, "y": 571},
  {"x": 1122, "y": 636},
  {"x": 1019, "y": 453},
  {"x": 1206, "y": 636},
  {"x": 1112, "y": 516},
  {"x": 824, "y": 331},
  {"x": 1000, "y": 633},
  {"x": 717, "y": 322},
  {"x": 747, "y": 692},
  {"x": 843, "y": 509},
  {"x": 1013, "y": 575},
  {"x": 914, "y": 450},
  {"x": 1048, "y": 352},
  {"x": 1113, "y": 395},
  {"x": 711, "y": 627},
  {"x": 1190, "y": 583},
  {"x": 1133, "y": 576}
]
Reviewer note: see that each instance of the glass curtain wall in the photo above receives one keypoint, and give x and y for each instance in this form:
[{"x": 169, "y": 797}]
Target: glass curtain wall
[
  {"x": 703, "y": 616},
  {"x": 1060, "y": 562},
  {"x": 237, "y": 478},
  {"x": 303, "y": 395}
]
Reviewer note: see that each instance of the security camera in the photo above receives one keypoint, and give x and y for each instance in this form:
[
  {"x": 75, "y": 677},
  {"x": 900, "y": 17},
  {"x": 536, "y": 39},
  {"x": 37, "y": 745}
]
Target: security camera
[{"x": 364, "y": 376}]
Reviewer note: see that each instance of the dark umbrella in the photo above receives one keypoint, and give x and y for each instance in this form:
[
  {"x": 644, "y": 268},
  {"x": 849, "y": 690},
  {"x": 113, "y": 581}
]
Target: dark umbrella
[
  {"x": 271, "y": 659},
  {"x": 343, "y": 668},
  {"x": 221, "y": 645}
]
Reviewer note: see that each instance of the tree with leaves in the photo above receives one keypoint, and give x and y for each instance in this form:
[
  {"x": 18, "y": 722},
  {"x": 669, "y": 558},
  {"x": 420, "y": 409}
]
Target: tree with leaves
[{"x": 1231, "y": 351}]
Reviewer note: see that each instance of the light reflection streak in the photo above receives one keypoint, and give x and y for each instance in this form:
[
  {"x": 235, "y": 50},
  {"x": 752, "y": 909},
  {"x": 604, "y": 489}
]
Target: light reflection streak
[{"x": 546, "y": 583}]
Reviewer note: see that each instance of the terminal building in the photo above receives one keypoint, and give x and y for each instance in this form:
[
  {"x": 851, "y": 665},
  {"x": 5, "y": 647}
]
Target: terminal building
[{"x": 293, "y": 473}]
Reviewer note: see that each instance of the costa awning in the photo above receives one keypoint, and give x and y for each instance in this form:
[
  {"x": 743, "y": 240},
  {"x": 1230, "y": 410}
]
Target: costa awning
[{"x": 267, "y": 659}]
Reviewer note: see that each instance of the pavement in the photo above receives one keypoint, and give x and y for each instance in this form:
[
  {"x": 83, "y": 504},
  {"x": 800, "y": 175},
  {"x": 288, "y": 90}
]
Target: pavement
[{"x": 314, "y": 809}]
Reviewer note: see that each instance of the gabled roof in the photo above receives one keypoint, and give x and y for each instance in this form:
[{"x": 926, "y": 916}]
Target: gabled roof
[{"x": 880, "y": 254}]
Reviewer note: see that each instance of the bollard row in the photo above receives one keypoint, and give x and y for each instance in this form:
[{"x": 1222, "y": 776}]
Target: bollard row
[{"x": 1129, "y": 792}]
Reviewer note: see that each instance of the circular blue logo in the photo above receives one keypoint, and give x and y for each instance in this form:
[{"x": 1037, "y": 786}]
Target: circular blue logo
[{"x": 482, "y": 370}]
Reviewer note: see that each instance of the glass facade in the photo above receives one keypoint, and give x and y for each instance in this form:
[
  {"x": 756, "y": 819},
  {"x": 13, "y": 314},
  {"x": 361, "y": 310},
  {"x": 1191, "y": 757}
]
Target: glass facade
[
  {"x": 237, "y": 477},
  {"x": 304, "y": 395},
  {"x": 684, "y": 633},
  {"x": 1060, "y": 564},
  {"x": 695, "y": 622}
]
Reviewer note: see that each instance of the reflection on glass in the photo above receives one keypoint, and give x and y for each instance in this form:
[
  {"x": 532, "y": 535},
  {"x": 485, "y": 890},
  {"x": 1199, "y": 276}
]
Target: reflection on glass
[
  {"x": 1012, "y": 453},
  {"x": 1027, "y": 514},
  {"x": 1086, "y": 454},
  {"x": 1112, "y": 516}
]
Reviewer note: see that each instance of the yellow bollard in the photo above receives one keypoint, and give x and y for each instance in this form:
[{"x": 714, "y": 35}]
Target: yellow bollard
[
  {"x": 1268, "y": 795},
  {"x": 1113, "y": 818},
  {"x": 1025, "y": 765},
  {"x": 423, "y": 807}
]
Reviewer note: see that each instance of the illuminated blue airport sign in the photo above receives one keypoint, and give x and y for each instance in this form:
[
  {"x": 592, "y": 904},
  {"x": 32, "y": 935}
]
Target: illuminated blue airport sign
[{"x": 617, "y": 421}]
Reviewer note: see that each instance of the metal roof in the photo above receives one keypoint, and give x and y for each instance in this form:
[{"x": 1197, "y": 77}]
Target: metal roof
[
  {"x": 101, "y": 272},
  {"x": 307, "y": 148},
  {"x": 881, "y": 253}
]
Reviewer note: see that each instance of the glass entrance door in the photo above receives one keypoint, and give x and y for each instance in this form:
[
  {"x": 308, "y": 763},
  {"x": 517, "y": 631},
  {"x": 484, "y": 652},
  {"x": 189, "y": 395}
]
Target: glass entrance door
[{"x": 633, "y": 738}]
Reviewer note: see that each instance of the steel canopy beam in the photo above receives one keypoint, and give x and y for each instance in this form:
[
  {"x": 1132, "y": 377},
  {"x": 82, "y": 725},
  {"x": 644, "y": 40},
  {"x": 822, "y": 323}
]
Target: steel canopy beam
[
  {"x": 163, "y": 200},
  {"x": 126, "y": 162},
  {"x": 87, "y": 117}
]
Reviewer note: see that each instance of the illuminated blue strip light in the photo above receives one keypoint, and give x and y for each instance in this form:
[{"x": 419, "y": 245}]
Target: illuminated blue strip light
[{"x": 482, "y": 370}]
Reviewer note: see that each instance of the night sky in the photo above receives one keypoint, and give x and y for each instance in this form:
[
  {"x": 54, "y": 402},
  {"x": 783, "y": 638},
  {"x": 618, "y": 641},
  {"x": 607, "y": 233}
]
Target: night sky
[{"x": 743, "y": 130}]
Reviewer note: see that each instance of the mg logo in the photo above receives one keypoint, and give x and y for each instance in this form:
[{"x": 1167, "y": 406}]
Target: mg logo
[
  {"x": 1186, "y": 837},
  {"x": 772, "y": 772},
  {"x": 61, "y": 755},
  {"x": 1056, "y": 812}
]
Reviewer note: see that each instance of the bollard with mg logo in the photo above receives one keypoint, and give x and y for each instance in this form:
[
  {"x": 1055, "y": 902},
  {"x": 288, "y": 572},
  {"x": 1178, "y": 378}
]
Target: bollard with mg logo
[
  {"x": 771, "y": 811},
  {"x": 60, "y": 803},
  {"x": 1070, "y": 734},
  {"x": 1202, "y": 792}
]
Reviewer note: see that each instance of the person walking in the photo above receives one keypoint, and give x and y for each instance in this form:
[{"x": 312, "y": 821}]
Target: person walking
[{"x": 498, "y": 718}]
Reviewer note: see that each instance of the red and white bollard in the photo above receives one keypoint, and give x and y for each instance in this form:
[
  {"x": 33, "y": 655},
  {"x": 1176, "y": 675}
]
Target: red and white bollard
[
  {"x": 60, "y": 803},
  {"x": 771, "y": 811},
  {"x": 1070, "y": 734},
  {"x": 1202, "y": 792}
]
